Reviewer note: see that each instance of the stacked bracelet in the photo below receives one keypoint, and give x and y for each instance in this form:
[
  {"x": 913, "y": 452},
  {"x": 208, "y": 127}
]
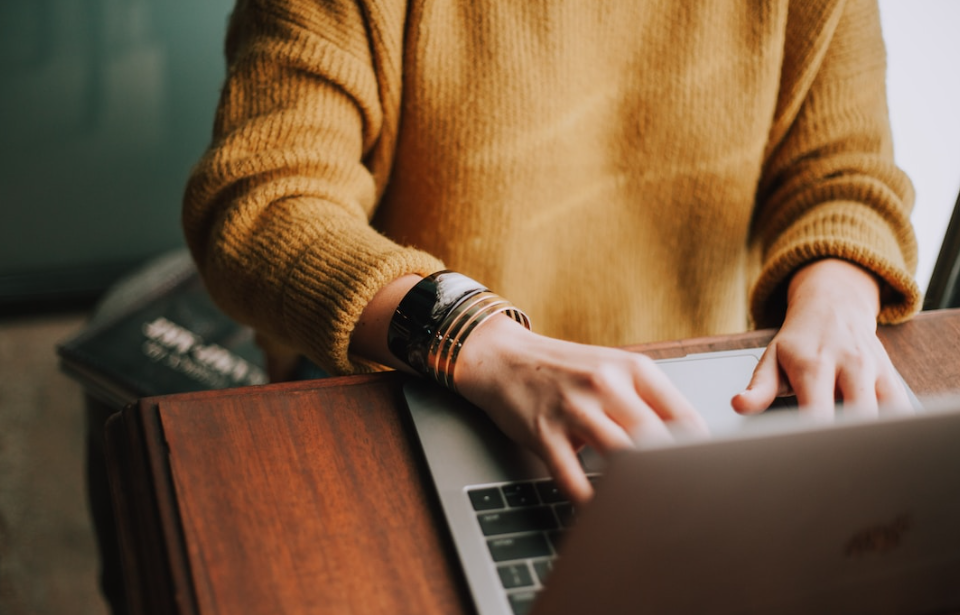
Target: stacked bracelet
[{"x": 435, "y": 318}]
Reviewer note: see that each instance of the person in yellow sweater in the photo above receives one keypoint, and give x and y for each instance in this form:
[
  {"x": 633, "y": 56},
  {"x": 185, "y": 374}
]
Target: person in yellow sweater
[{"x": 621, "y": 171}]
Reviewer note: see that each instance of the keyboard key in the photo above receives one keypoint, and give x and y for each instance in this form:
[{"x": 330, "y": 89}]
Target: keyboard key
[
  {"x": 549, "y": 492},
  {"x": 521, "y": 494},
  {"x": 543, "y": 567},
  {"x": 515, "y": 575},
  {"x": 538, "y": 518},
  {"x": 522, "y": 602},
  {"x": 486, "y": 499},
  {"x": 518, "y": 547}
]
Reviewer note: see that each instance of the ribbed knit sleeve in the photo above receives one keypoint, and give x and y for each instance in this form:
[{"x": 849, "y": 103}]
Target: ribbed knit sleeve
[
  {"x": 621, "y": 171},
  {"x": 277, "y": 212},
  {"x": 830, "y": 187}
]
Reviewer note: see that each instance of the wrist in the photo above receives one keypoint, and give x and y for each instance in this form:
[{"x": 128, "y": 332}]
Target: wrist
[
  {"x": 436, "y": 317},
  {"x": 836, "y": 282},
  {"x": 369, "y": 338},
  {"x": 500, "y": 344}
]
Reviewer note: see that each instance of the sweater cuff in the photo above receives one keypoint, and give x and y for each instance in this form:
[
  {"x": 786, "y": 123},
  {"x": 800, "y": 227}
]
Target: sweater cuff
[
  {"x": 849, "y": 231},
  {"x": 330, "y": 286}
]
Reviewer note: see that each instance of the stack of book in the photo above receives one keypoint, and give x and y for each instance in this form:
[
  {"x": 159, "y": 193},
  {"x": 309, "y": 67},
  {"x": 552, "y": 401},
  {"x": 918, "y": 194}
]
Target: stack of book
[{"x": 158, "y": 332}]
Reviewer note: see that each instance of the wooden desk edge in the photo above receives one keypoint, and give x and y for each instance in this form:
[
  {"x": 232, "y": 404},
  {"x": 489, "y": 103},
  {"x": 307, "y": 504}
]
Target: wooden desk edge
[{"x": 156, "y": 576}]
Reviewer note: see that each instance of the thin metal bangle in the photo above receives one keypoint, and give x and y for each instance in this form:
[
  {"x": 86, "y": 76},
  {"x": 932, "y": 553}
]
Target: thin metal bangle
[
  {"x": 454, "y": 333},
  {"x": 508, "y": 309},
  {"x": 461, "y": 322},
  {"x": 451, "y": 325}
]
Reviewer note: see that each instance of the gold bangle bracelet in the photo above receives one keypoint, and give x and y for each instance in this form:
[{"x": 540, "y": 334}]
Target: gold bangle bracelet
[
  {"x": 456, "y": 327},
  {"x": 450, "y": 327},
  {"x": 459, "y": 326},
  {"x": 508, "y": 309}
]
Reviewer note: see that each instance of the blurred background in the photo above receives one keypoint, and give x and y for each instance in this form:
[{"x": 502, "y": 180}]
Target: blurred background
[{"x": 105, "y": 105}]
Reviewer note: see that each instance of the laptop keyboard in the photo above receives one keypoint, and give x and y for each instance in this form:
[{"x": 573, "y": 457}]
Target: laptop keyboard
[{"x": 523, "y": 524}]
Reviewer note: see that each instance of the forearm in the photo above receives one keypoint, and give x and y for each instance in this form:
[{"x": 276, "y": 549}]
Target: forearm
[{"x": 830, "y": 186}]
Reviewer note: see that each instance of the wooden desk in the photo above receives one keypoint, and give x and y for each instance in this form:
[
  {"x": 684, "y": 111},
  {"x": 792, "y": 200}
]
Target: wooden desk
[{"x": 310, "y": 498}]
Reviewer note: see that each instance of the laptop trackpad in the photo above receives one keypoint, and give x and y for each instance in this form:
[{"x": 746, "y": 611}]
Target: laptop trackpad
[{"x": 709, "y": 381}]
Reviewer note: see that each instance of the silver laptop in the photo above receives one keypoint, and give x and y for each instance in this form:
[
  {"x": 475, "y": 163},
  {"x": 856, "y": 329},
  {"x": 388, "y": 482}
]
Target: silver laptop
[{"x": 772, "y": 513}]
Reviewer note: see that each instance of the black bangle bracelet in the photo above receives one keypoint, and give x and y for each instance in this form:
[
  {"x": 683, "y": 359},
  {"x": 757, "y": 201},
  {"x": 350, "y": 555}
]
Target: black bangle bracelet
[{"x": 416, "y": 322}]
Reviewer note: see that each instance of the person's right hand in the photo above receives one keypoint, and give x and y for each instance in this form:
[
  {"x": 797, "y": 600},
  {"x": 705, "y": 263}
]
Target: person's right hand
[{"x": 554, "y": 396}]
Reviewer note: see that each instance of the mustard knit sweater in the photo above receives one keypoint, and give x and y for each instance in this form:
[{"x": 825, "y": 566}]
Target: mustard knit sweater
[{"x": 623, "y": 171}]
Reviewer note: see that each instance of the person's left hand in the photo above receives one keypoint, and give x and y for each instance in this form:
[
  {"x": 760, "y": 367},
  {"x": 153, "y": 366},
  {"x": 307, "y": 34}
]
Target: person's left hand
[{"x": 827, "y": 349}]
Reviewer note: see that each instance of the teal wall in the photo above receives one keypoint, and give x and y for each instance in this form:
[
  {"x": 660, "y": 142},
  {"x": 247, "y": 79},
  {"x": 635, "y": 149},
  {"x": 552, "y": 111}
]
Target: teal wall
[{"x": 105, "y": 105}]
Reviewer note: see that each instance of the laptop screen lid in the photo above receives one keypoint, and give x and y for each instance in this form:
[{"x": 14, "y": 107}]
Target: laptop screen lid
[
  {"x": 856, "y": 516},
  {"x": 463, "y": 448}
]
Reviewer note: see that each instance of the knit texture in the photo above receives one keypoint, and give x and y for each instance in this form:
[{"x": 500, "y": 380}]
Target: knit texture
[{"x": 621, "y": 171}]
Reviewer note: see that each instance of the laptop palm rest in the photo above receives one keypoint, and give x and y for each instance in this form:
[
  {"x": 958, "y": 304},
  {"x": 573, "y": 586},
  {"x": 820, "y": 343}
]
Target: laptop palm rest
[{"x": 473, "y": 450}]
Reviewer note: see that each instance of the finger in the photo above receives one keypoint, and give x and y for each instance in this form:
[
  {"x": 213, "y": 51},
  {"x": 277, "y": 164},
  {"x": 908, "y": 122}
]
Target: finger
[
  {"x": 598, "y": 430},
  {"x": 640, "y": 421},
  {"x": 765, "y": 385},
  {"x": 620, "y": 402},
  {"x": 857, "y": 386},
  {"x": 647, "y": 428},
  {"x": 666, "y": 401},
  {"x": 565, "y": 468},
  {"x": 892, "y": 392},
  {"x": 815, "y": 384},
  {"x": 652, "y": 434}
]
